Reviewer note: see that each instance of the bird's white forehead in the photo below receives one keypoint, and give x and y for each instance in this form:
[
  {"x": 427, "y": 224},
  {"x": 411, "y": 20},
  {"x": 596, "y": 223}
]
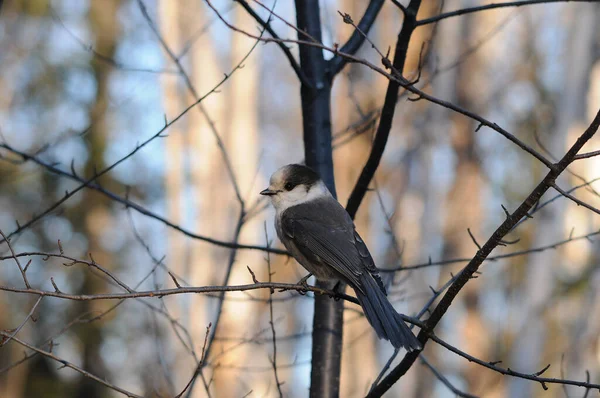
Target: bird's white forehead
[{"x": 279, "y": 176}]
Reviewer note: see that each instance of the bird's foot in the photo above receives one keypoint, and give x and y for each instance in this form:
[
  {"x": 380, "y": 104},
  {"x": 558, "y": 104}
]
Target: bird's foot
[
  {"x": 303, "y": 282},
  {"x": 337, "y": 294}
]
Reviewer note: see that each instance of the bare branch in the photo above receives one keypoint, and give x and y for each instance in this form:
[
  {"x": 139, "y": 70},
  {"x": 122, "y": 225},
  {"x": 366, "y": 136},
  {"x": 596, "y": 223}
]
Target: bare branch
[
  {"x": 281, "y": 287},
  {"x": 396, "y": 76},
  {"x": 5, "y": 340},
  {"x": 301, "y": 32},
  {"x": 509, "y": 372},
  {"x": 444, "y": 380},
  {"x": 486, "y": 249},
  {"x": 175, "y": 281},
  {"x": 273, "y": 333},
  {"x": 385, "y": 368},
  {"x": 267, "y": 26},
  {"x": 200, "y": 364},
  {"x": 211, "y": 337},
  {"x": 492, "y": 6},
  {"x": 587, "y": 155},
  {"x": 192, "y": 90},
  {"x": 127, "y": 202},
  {"x": 348, "y": 20},
  {"x": 68, "y": 364},
  {"x": 104, "y": 58},
  {"x": 517, "y": 253},
  {"x": 574, "y": 199},
  {"x": 387, "y": 113},
  {"x": 357, "y": 38},
  {"x": 21, "y": 269},
  {"x": 85, "y": 183},
  {"x": 399, "y": 5},
  {"x": 473, "y": 238}
]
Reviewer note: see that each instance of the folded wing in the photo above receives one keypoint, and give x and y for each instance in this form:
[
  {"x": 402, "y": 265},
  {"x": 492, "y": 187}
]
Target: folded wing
[{"x": 329, "y": 238}]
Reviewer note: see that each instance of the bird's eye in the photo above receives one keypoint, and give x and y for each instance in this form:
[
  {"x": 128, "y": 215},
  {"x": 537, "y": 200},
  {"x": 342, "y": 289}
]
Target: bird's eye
[{"x": 289, "y": 186}]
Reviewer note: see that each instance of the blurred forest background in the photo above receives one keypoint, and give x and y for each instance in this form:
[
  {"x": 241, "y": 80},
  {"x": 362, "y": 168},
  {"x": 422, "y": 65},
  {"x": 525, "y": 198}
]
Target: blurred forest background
[{"x": 84, "y": 82}]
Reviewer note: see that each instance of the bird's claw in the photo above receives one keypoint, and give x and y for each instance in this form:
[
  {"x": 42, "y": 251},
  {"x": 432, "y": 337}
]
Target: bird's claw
[
  {"x": 336, "y": 288},
  {"x": 336, "y": 291},
  {"x": 303, "y": 282}
]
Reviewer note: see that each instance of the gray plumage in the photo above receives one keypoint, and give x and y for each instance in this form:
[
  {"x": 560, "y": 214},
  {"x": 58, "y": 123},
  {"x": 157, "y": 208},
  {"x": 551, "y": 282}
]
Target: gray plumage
[{"x": 321, "y": 236}]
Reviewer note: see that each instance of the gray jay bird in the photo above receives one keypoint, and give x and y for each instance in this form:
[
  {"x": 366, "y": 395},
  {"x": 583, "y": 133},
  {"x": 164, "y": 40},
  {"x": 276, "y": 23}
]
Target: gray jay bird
[{"x": 319, "y": 233}]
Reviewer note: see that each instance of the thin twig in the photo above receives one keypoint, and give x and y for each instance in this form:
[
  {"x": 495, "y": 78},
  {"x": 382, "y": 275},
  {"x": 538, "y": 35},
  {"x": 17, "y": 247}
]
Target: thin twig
[
  {"x": 5, "y": 341},
  {"x": 281, "y": 287},
  {"x": 467, "y": 273},
  {"x": 194, "y": 93},
  {"x": 587, "y": 155},
  {"x": 211, "y": 337},
  {"x": 301, "y": 32},
  {"x": 201, "y": 362},
  {"x": 473, "y": 238},
  {"x": 286, "y": 51},
  {"x": 396, "y": 76},
  {"x": 385, "y": 368},
  {"x": 68, "y": 364},
  {"x": 357, "y": 37},
  {"x": 517, "y": 253},
  {"x": 389, "y": 107},
  {"x": 14, "y": 256},
  {"x": 492, "y": 6},
  {"x": 574, "y": 199},
  {"x": 509, "y": 372},
  {"x": 104, "y": 58},
  {"x": 125, "y": 201},
  {"x": 273, "y": 333},
  {"x": 443, "y": 379}
]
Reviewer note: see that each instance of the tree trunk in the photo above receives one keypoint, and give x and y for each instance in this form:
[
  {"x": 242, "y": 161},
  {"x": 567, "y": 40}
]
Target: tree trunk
[{"x": 316, "y": 117}]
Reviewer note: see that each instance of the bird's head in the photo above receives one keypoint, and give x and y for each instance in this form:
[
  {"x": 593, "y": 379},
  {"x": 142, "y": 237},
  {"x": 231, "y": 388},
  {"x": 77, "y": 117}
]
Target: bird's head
[{"x": 294, "y": 184}]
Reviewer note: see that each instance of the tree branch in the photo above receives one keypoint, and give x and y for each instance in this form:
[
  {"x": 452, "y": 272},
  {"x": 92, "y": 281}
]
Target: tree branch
[
  {"x": 387, "y": 112},
  {"x": 397, "y": 77},
  {"x": 281, "y": 287},
  {"x": 337, "y": 63},
  {"x": 509, "y": 372},
  {"x": 267, "y": 26},
  {"x": 67, "y": 364},
  {"x": 194, "y": 93},
  {"x": 587, "y": 155},
  {"x": 492, "y": 242},
  {"x": 328, "y": 320},
  {"x": 444, "y": 380},
  {"x": 492, "y": 6},
  {"x": 120, "y": 199},
  {"x": 517, "y": 253},
  {"x": 574, "y": 199}
]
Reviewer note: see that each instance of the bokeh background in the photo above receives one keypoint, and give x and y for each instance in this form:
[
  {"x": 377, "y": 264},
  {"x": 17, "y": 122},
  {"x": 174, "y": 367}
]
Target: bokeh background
[{"x": 83, "y": 82}]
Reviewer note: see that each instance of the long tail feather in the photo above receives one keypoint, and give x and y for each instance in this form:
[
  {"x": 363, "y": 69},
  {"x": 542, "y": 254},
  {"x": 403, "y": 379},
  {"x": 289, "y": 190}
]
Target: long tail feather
[{"x": 383, "y": 317}]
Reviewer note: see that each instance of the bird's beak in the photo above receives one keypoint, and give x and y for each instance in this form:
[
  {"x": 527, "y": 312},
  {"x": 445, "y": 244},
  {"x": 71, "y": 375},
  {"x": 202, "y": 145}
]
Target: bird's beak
[{"x": 268, "y": 192}]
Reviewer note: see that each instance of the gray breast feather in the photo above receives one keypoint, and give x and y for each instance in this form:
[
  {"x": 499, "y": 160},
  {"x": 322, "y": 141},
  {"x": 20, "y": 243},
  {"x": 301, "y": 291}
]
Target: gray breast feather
[{"x": 323, "y": 234}]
